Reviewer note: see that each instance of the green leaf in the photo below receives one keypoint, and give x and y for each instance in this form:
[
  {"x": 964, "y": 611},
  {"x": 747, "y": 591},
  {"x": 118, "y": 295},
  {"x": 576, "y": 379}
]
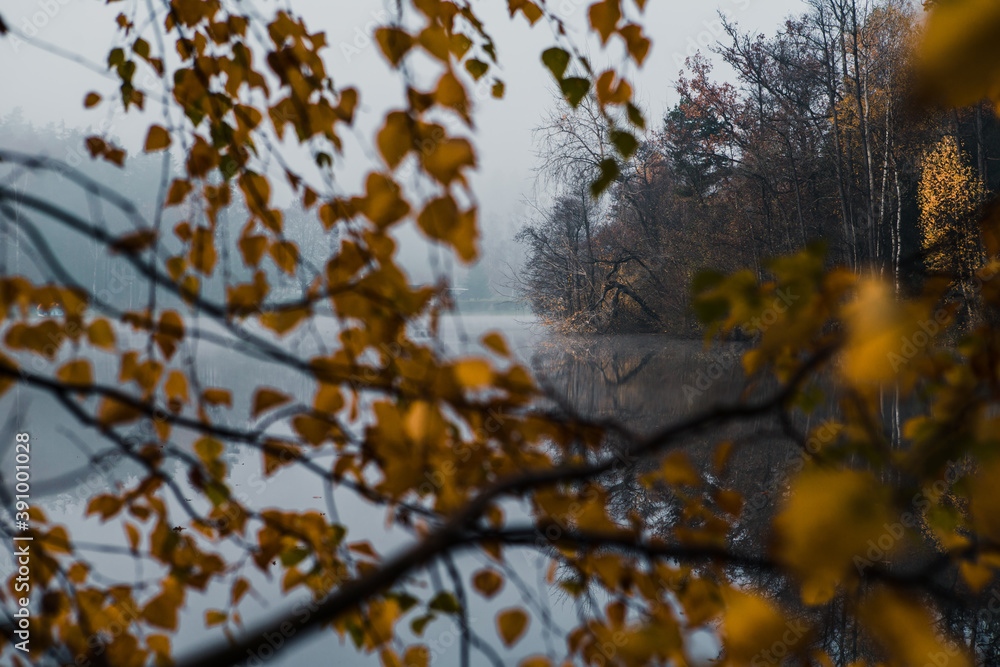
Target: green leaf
[
  {"x": 710, "y": 310},
  {"x": 609, "y": 172},
  {"x": 625, "y": 142},
  {"x": 445, "y": 603},
  {"x": 557, "y": 60},
  {"x": 419, "y": 623},
  {"x": 635, "y": 116},
  {"x": 574, "y": 89},
  {"x": 477, "y": 68},
  {"x": 141, "y": 48},
  {"x": 405, "y": 600},
  {"x": 116, "y": 57},
  {"x": 294, "y": 556},
  {"x": 705, "y": 280}
]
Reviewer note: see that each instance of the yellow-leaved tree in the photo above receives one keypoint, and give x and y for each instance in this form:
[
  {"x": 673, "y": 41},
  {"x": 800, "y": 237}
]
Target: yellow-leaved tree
[{"x": 950, "y": 195}]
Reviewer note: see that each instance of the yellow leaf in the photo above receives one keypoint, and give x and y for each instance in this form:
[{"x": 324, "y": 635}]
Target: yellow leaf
[
  {"x": 133, "y": 537},
  {"x": 976, "y": 575},
  {"x": 106, "y": 505},
  {"x": 441, "y": 221},
  {"x": 383, "y": 204},
  {"x": 535, "y": 661},
  {"x": 604, "y": 17},
  {"x": 157, "y": 139},
  {"x": 113, "y": 412},
  {"x": 677, "y": 470},
  {"x": 638, "y": 46},
  {"x": 389, "y": 658},
  {"x": 252, "y": 249},
  {"x": 240, "y": 588},
  {"x": 208, "y": 449},
  {"x": 160, "y": 645},
  {"x": 203, "y": 255},
  {"x": 958, "y": 58},
  {"x": 495, "y": 342},
  {"x": 286, "y": 255},
  {"x": 417, "y": 656},
  {"x": 822, "y": 534},
  {"x": 277, "y": 455},
  {"x": 395, "y": 43},
  {"x": 78, "y": 573},
  {"x": 76, "y": 372},
  {"x": 472, "y": 373},
  {"x": 729, "y": 501},
  {"x": 91, "y": 100},
  {"x": 328, "y": 398},
  {"x": 170, "y": 330},
  {"x": 176, "y": 387},
  {"x": 283, "y": 321},
  {"x": 264, "y": 399},
  {"x": 100, "y": 334},
  {"x": 179, "y": 189},
  {"x": 487, "y": 582},
  {"x": 312, "y": 430},
  {"x": 511, "y": 625},
  {"x": 609, "y": 93},
  {"x": 877, "y": 328},
  {"x": 435, "y": 41},
  {"x": 446, "y": 159},
  {"x": 395, "y": 139},
  {"x": 984, "y": 501},
  {"x": 214, "y": 617},
  {"x": 531, "y": 11},
  {"x": 214, "y": 396},
  {"x": 907, "y": 631},
  {"x": 751, "y": 624}
]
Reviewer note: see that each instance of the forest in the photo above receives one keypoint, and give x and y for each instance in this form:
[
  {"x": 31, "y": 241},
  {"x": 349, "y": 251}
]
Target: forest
[{"x": 817, "y": 135}]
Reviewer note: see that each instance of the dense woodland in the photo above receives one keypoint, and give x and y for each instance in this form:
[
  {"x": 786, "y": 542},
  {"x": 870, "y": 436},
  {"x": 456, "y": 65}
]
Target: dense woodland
[{"x": 813, "y": 133}]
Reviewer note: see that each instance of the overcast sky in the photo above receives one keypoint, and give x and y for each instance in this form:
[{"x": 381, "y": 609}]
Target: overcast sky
[{"x": 51, "y": 89}]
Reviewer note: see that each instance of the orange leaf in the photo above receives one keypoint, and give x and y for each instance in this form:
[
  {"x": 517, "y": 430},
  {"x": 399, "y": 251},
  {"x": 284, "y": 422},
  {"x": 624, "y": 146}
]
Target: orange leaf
[
  {"x": 395, "y": 43},
  {"x": 286, "y": 255},
  {"x": 106, "y": 505},
  {"x": 511, "y": 625},
  {"x": 395, "y": 139},
  {"x": 218, "y": 397},
  {"x": 604, "y": 17},
  {"x": 264, "y": 399},
  {"x": 76, "y": 372},
  {"x": 203, "y": 256},
  {"x": 112, "y": 412},
  {"x": 487, "y": 582},
  {"x": 179, "y": 189},
  {"x": 157, "y": 139}
]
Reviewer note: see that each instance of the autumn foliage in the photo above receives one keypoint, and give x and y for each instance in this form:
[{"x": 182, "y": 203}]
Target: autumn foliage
[{"x": 385, "y": 412}]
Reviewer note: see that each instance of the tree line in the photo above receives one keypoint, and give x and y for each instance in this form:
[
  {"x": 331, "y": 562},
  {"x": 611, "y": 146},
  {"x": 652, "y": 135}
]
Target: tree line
[{"x": 817, "y": 134}]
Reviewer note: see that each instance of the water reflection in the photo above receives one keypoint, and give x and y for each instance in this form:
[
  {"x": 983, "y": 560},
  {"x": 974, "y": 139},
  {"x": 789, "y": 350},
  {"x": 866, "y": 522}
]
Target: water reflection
[{"x": 643, "y": 382}]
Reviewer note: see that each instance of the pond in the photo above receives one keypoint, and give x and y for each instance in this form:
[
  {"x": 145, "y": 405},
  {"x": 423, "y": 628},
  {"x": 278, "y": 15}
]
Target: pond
[{"x": 643, "y": 382}]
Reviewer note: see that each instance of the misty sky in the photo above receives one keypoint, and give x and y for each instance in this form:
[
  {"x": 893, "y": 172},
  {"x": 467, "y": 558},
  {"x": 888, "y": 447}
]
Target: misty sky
[{"x": 51, "y": 89}]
